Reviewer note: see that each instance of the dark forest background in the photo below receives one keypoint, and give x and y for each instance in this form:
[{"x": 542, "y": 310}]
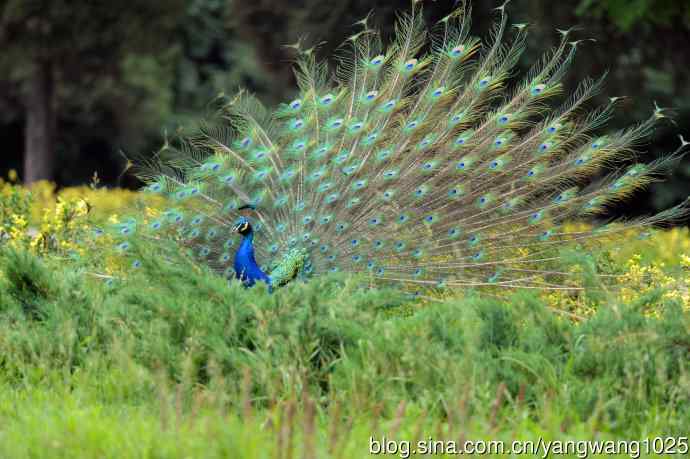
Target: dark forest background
[{"x": 81, "y": 82}]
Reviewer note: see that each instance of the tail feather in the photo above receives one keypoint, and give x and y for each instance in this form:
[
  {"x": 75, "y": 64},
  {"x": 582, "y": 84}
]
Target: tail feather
[{"x": 428, "y": 168}]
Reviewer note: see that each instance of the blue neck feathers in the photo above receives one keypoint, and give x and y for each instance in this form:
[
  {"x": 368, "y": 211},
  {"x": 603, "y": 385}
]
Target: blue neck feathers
[{"x": 245, "y": 265}]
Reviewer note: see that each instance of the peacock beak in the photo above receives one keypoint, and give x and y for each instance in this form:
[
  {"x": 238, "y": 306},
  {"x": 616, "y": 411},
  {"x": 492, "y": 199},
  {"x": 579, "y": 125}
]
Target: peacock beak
[{"x": 241, "y": 227}]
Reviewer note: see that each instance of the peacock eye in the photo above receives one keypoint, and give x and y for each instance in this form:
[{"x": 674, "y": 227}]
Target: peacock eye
[
  {"x": 438, "y": 92},
  {"x": 409, "y": 65}
]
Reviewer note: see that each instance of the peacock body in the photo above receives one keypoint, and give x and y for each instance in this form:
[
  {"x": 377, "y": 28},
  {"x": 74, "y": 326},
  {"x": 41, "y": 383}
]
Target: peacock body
[{"x": 421, "y": 163}]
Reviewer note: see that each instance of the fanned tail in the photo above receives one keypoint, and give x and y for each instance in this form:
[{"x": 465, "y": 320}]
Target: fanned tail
[{"x": 430, "y": 168}]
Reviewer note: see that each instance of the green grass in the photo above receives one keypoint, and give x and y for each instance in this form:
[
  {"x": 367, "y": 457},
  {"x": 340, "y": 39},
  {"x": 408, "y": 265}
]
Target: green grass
[{"x": 173, "y": 363}]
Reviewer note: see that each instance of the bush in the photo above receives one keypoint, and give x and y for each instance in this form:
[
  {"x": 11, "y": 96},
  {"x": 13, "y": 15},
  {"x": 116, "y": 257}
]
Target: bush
[{"x": 332, "y": 360}]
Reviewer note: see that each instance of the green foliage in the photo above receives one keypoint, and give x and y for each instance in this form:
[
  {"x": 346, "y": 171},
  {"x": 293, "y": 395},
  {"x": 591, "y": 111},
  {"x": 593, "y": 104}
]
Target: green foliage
[
  {"x": 627, "y": 13},
  {"x": 14, "y": 201},
  {"x": 26, "y": 281},
  {"x": 177, "y": 356}
]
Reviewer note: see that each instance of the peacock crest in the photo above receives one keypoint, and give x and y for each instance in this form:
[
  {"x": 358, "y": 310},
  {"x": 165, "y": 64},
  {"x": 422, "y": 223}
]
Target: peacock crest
[{"x": 421, "y": 162}]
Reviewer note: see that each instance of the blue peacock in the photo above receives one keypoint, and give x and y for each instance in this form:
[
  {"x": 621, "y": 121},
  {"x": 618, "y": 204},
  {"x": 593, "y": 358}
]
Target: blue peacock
[{"x": 421, "y": 163}]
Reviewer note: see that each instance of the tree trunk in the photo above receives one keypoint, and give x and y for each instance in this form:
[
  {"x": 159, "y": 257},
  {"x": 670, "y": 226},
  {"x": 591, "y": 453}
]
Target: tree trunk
[{"x": 38, "y": 136}]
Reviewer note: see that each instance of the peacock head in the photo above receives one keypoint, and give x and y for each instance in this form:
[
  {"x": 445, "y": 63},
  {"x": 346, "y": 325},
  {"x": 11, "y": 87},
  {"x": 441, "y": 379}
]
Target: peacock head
[{"x": 242, "y": 226}]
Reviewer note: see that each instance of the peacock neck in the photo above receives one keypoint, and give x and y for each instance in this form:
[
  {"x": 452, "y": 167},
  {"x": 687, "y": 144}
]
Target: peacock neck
[
  {"x": 248, "y": 241},
  {"x": 246, "y": 268},
  {"x": 245, "y": 252}
]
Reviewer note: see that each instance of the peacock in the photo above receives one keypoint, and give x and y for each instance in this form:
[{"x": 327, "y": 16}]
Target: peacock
[{"x": 424, "y": 163}]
